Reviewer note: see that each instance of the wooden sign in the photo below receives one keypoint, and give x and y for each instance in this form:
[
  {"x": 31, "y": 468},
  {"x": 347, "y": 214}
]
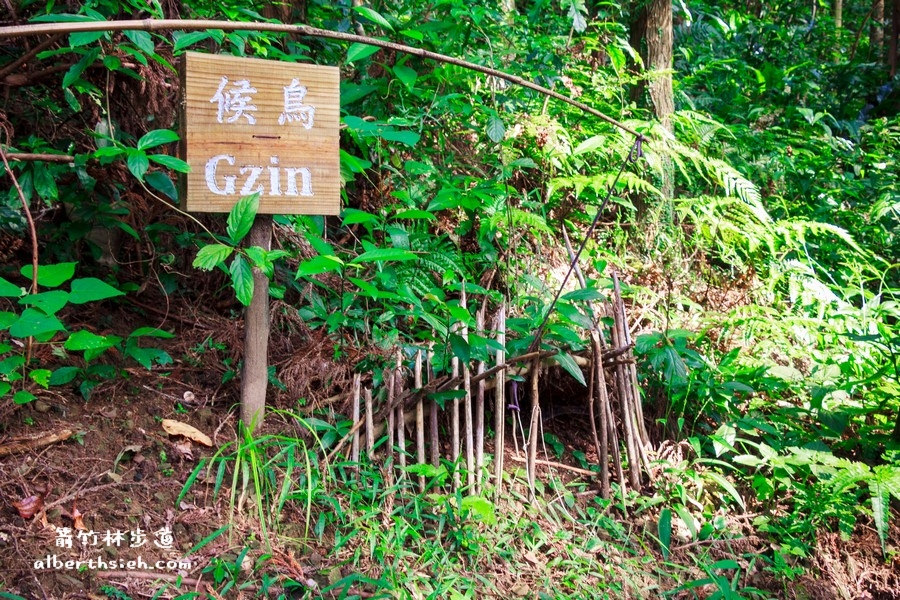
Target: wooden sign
[{"x": 252, "y": 125}]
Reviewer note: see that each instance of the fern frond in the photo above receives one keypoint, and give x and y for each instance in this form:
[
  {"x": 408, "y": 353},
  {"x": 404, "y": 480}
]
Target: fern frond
[{"x": 884, "y": 484}]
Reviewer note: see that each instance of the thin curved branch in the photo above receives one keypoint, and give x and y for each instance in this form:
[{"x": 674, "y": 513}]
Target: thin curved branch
[{"x": 17, "y": 31}]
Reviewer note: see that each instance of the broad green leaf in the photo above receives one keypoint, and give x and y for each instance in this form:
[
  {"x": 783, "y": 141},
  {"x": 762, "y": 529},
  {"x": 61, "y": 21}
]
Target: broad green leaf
[
  {"x": 10, "y": 290},
  {"x": 568, "y": 363},
  {"x": 146, "y": 357},
  {"x": 495, "y": 129},
  {"x": 75, "y": 71},
  {"x": 410, "y": 138},
  {"x": 241, "y": 217},
  {"x": 23, "y": 397},
  {"x": 49, "y": 302},
  {"x": 460, "y": 347},
  {"x": 406, "y": 75},
  {"x": 171, "y": 162},
  {"x": 51, "y": 275},
  {"x": 728, "y": 487},
  {"x": 63, "y": 18},
  {"x": 360, "y": 51},
  {"x": 383, "y": 254},
  {"x": 64, "y": 375},
  {"x": 41, "y": 377},
  {"x": 415, "y": 214},
  {"x": 242, "y": 279},
  {"x": 373, "y": 16},
  {"x": 154, "y": 332},
  {"x": 91, "y": 289},
  {"x": 664, "y": 528},
  {"x": 480, "y": 507},
  {"x": 212, "y": 255},
  {"x": 353, "y": 216},
  {"x": 157, "y": 137},
  {"x": 162, "y": 183},
  {"x": 33, "y": 322},
  {"x": 142, "y": 40},
  {"x": 137, "y": 162},
  {"x": 189, "y": 39},
  {"x": 83, "y": 38},
  {"x": 88, "y": 340},
  {"x": 319, "y": 264},
  {"x": 584, "y": 294},
  {"x": 5, "y": 387}
]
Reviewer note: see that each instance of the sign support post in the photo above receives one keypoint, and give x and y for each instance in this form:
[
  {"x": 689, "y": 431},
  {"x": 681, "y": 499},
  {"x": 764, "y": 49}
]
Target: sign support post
[{"x": 252, "y": 126}]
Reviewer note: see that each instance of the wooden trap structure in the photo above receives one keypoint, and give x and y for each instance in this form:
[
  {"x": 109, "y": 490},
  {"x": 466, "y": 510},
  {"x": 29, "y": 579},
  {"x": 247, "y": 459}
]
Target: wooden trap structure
[{"x": 399, "y": 423}]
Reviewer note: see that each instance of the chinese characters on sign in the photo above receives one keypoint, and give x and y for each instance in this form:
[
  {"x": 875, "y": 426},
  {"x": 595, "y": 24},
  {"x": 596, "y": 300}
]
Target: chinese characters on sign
[
  {"x": 66, "y": 538},
  {"x": 257, "y": 126}
]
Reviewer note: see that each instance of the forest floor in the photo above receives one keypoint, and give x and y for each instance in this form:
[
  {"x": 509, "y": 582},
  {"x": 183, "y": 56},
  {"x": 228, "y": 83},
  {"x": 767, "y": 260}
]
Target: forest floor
[{"x": 120, "y": 472}]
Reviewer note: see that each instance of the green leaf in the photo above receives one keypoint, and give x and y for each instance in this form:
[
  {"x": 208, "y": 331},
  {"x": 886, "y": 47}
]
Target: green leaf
[
  {"x": 383, "y": 254},
  {"x": 360, "y": 51},
  {"x": 41, "y": 377},
  {"x": 568, "y": 363},
  {"x": 664, "y": 528},
  {"x": 728, "y": 487},
  {"x": 189, "y": 39},
  {"x": 51, "y": 275},
  {"x": 495, "y": 129},
  {"x": 319, "y": 264},
  {"x": 137, "y": 162},
  {"x": 88, "y": 340},
  {"x": 49, "y": 302},
  {"x": 162, "y": 183},
  {"x": 23, "y": 397},
  {"x": 10, "y": 290},
  {"x": 241, "y": 217},
  {"x": 5, "y": 387},
  {"x": 157, "y": 137},
  {"x": 460, "y": 347},
  {"x": 64, "y": 375},
  {"x": 75, "y": 71},
  {"x": 83, "y": 38},
  {"x": 211, "y": 256},
  {"x": 171, "y": 162},
  {"x": 584, "y": 294},
  {"x": 410, "y": 138},
  {"x": 154, "y": 332},
  {"x": 406, "y": 75},
  {"x": 373, "y": 16},
  {"x": 33, "y": 322},
  {"x": 480, "y": 507},
  {"x": 91, "y": 289},
  {"x": 353, "y": 216},
  {"x": 242, "y": 279},
  {"x": 142, "y": 40},
  {"x": 147, "y": 356}
]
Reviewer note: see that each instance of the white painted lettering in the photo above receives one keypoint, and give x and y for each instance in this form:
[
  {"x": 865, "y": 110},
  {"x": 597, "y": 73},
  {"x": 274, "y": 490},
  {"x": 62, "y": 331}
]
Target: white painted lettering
[
  {"x": 211, "y": 167},
  {"x": 274, "y": 178},
  {"x": 306, "y": 181},
  {"x": 247, "y": 188}
]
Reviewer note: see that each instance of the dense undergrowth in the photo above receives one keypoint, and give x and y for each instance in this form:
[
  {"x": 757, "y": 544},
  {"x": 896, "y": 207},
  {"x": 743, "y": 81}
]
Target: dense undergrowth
[{"x": 765, "y": 291}]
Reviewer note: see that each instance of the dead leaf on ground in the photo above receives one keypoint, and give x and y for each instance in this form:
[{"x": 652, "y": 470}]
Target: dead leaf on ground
[
  {"x": 173, "y": 427},
  {"x": 28, "y": 507},
  {"x": 183, "y": 448},
  {"x": 78, "y": 520}
]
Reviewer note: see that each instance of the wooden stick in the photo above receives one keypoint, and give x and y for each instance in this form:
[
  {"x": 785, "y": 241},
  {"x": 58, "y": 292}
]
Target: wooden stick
[
  {"x": 401, "y": 415},
  {"x": 305, "y": 30},
  {"x": 454, "y": 421},
  {"x": 389, "y": 458},
  {"x": 370, "y": 430},
  {"x": 354, "y": 451},
  {"x": 558, "y": 465},
  {"x": 479, "y": 407},
  {"x": 467, "y": 406},
  {"x": 36, "y": 442},
  {"x": 534, "y": 428},
  {"x": 420, "y": 419},
  {"x": 500, "y": 404},
  {"x": 433, "y": 414},
  {"x": 625, "y": 404}
]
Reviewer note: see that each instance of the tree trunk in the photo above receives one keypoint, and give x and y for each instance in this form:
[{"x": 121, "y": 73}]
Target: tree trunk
[
  {"x": 876, "y": 31},
  {"x": 838, "y": 14},
  {"x": 895, "y": 34},
  {"x": 659, "y": 61},
  {"x": 255, "y": 374}
]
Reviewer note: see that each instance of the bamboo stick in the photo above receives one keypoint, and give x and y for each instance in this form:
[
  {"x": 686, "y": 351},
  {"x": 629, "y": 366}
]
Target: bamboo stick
[
  {"x": 401, "y": 415},
  {"x": 628, "y": 428},
  {"x": 389, "y": 458},
  {"x": 454, "y": 421},
  {"x": 420, "y": 419},
  {"x": 500, "y": 404},
  {"x": 433, "y": 414},
  {"x": 467, "y": 406},
  {"x": 534, "y": 428},
  {"x": 354, "y": 451},
  {"x": 370, "y": 425},
  {"x": 479, "y": 408}
]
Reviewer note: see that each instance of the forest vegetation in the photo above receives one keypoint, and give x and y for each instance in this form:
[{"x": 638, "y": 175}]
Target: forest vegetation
[{"x": 694, "y": 239}]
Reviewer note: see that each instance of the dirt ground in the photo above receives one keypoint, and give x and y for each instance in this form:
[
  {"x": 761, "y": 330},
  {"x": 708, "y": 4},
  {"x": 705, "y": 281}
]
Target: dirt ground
[{"x": 109, "y": 490}]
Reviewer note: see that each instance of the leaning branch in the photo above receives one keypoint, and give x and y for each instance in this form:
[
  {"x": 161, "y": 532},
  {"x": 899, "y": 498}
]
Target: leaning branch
[{"x": 304, "y": 30}]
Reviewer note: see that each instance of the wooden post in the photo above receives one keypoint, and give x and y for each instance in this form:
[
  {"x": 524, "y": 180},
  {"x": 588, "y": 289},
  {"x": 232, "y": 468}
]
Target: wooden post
[
  {"x": 500, "y": 404},
  {"x": 433, "y": 410},
  {"x": 420, "y": 419},
  {"x": 454, "y": 421},
  {"x": 255, "y": 374},
  {"x": 479, "y": 409},
  {"x": 370, "y": 425},
  {"x": 467, "y": 408},
  {"x": 401, "y": 414},
  {"x": 354, "y": 452}
]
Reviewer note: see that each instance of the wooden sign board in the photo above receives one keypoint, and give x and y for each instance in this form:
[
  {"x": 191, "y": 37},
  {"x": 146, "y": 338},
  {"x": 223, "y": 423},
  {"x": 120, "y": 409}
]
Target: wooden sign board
[{"x": 250, "y": 125}]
